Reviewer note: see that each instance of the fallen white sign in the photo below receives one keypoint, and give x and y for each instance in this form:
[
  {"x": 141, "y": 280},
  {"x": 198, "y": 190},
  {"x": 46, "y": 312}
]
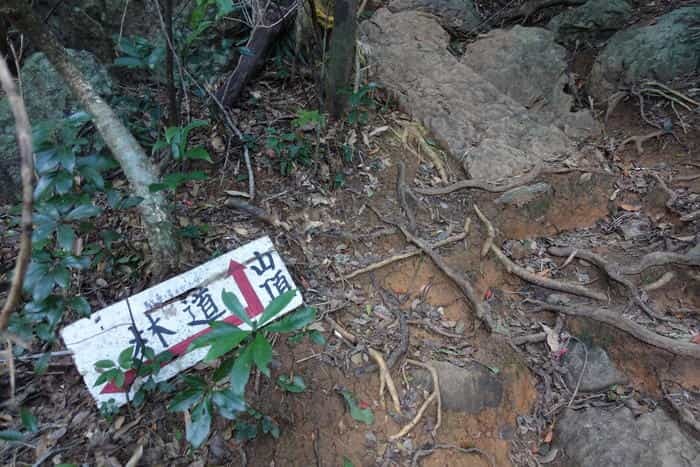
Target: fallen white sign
[{"x": 169, "y": 316}]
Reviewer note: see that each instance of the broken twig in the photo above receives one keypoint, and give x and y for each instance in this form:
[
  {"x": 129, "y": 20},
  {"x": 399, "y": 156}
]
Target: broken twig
[{"x": 385, "y": 379}]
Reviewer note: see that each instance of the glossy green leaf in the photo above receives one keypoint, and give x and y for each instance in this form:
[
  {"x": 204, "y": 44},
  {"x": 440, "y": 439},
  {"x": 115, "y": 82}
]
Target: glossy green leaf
[
  {"x": 198, "y": 154},
  {"x": 225, "y": 344},
  {"x": 29, "y": 420},
  {"x": 65, "y": 236},
  {"x": 294, "y": 385},
  {"x": 80, "y": 305},
  {"x": 276, "y": 306},
  {"x": 125, "y": 358},
  {"x": 361, "y": 415},
  {"x": 198, "y": 429},
  {"x": 293, "y": 321},
  {"x": 11, "y": 435},
  {"x": 240, "y": 372},
  {"x": 83, "y": 211},
  {"x": 235, "y": 306},
  {"x": 104, "y": 364},
  {"x": 185, "y": 399},
  {"x": 129, "y": 62},
  {"x": 228, "y": 403},
  {"x": 262, "y": 353}
]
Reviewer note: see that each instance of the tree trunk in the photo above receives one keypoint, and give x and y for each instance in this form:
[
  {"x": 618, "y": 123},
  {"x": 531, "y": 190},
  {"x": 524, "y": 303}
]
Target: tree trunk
[
  {"x": 341, "y": 56},
  {"x": 126, "y": 150}
]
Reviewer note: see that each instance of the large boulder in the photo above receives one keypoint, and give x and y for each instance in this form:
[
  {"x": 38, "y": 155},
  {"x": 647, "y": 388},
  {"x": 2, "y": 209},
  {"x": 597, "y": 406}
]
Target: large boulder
[
  {"x": 592, "y": 22},
  {"x": 46, "y": 97},
  {"x": 490, "y": 133},
  {"x": 529, "y": 66},
  {"x": 596, "y": 437},
  {"x": 662, "y": 51},
  {"x": 459, "y": 16}
]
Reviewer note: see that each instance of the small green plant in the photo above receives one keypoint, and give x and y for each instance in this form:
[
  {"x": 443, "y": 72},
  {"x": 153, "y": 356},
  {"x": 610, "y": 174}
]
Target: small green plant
[
  {"x": 176, "y": 138},
  {"x": 293, "y": 147},
  {"x": 139, "y": 53},
  {"x": 69, "y": 165},
  {"x": 222, "y": 392},
  {"x": 361, "y": 102}
]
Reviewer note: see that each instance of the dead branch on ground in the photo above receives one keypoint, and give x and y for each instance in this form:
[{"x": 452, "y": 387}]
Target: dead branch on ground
[
  {"x": 613, "y": 272},
  {"x": 434, "y": 396},
  {"x": 527, "y": 276},
  {"x": 617, "y": 321},
  {"x": 405, "y": 255},
  {"x": 385, "y": 380},
  {"x": 24, "y": 142},
  {"x": 458, "y": 279}
]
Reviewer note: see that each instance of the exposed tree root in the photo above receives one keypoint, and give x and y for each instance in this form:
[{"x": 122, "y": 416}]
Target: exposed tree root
[
  {"x": 672, "y": 195},
  {"x": 397, "y": 352},
  {"x": 613, "y": 273},
  {"x": 685, "y": 415},
  {"x": 617, "y": 321},
  {"x": 641, "y": 139},
  {"x": 660, "y": 258},
  {"x": 662, "y": 281},
  {"x": 401, "y": 256},
  {"x": 529, "y": 338},
  {"x": 482, "y": 185},
  {"x": 695, "y": 215},
  {"x": 385, "y": 380},
  {"x": 458, "y": 279},
  {"x": 535, "y": 279},
  {"x": 434, "y": 396},
  {"x": 426, "y": 452}
]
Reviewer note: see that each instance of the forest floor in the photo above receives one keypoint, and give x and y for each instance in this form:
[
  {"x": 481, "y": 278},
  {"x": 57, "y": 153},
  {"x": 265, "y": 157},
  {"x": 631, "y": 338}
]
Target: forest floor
[{"x": 621, "y": 214}]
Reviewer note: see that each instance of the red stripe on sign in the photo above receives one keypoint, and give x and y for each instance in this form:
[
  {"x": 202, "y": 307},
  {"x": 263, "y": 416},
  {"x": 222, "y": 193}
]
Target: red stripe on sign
[{"x": 254, "y": 308}]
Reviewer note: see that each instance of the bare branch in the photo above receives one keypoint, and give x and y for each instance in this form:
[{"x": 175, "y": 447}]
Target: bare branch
[{"x": 24, "y": 142}]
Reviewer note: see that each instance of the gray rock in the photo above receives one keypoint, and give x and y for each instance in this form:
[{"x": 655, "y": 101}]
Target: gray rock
[
  {"x": 635, "y": 227},
  {"x": 662, "y": 51},
  {"x": 457, "y": 15},
  {"x": 594, "y": 21},
  {"x": 528, "y": 65},
  {"x": 523, "y": 195},
  {"x": 559, "y": 299},
  {"x": 490, "y": 133},
  {"x": 596, "y": 437},
  {"x": 600, "y": 372},
  {"x": 45, "y": 97},
  {"x": 470, "y": 389}
]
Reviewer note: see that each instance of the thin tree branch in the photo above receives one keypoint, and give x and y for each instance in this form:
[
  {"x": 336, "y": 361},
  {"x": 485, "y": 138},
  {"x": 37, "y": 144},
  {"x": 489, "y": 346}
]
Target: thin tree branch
[{"x": 24, "y": 142}]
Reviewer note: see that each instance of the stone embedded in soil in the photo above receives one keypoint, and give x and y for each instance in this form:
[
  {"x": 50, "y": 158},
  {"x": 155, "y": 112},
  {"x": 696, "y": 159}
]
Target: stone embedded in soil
[
  {"x": 597, "y": 437},
  {"x": 523, "y": 195},
  {"x": 528, "y": 65},
  {"x": 457, "y": 15},
  {"x": 594, "y": 21},
  {"x": 600, "y": 372},
  {"x": 470, "y": 389},
  {"x": 635, "y": 227},
  {"x": 663, "y": 51},
  {"x": 490, "y": 133}
]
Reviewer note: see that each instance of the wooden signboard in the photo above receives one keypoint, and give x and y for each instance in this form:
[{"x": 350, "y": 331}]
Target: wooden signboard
[{"x": 170, "y": 315}]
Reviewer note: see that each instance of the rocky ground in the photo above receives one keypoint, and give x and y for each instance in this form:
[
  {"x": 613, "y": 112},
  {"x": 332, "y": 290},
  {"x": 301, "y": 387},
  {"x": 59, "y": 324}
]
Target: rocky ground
[{"x": 576, "y": 134}]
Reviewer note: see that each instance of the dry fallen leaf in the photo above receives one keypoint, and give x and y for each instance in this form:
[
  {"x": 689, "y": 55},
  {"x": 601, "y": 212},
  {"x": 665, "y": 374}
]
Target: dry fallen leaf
[
  {"x": 630, "y": 207},
  {"x": 552, "y": 338}
]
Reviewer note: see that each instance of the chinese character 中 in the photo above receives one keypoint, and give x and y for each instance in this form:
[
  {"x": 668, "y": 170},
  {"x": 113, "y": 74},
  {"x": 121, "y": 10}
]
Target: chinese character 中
[
  {"x": 279, "y": 282},
  {"x": 265, "y": 263},
  {"x": 203, "y": 302}
]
